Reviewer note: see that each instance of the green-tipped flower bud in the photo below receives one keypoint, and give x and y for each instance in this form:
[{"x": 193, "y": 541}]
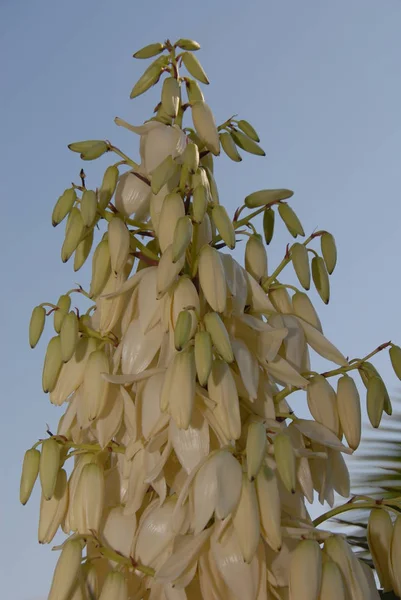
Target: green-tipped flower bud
[
  {"x": 268, "y": 225},
  {"x": 229, "y": 146},
  {"x": 194, "y": 67},
  {"x": 366, "y": 371},
  {"x": 108, "y": 187},
  {"x": 395, "y": 357},
  {"x": 304, "y": 308},
  {"x": 256, "y": 257},
  {"x": 36, "y": 325},
  {"x": 244, "y": 142},
  {"x": 64, "y": 304},
  {"x": 375, "y": 400},
  {"x": 171, "y": 96},
  {"x": 329, "y": 251},
  {"x": 101, "y": 268},
  {"x": 218, "y": 332},
  {"x": 300, "y": 261},
  {"x": 30, "y": 471},
  {"x": 321, "y": 278},
  {"x": 285, "y": 460},
  {"x": 205, "y": 126},
  {"x": 49, "y": 466},
  {"x": 149, "y": 51},
  {"x": 150, "y": 76},
  {"x": 214, "y": 192},
  {"x": 52, "y": 365},
  {"x": 194, "y": 92},
  {"x": 186, "y": 44},
  {"x": 89, "y": 150},
  {"x": 248, "y": 130},
  {"x": 182, "y": 237},
  {"x": 256, "y": 443},
  {"x": 203, "y": 356},
  {"x": 74, "y": 231},
  {"x": 83, "y": 249},
  {"x": 190, "y": 157},
  {"x": 379, "y": 533},
  {"x": 224, "y": 225},
  {"x": 263, "y": 197},
  {"x": 63, "y": 206},
  {"x": 207, "y": 162},
  {"x": 69, "y": 336},
  {"x": 200, "y": 203},
  {"x": 182, "y": 332},
  {"x": 291, "y": 220},
  {"x": 89, "y": 208},
  {"x": 163, "y": 172}
]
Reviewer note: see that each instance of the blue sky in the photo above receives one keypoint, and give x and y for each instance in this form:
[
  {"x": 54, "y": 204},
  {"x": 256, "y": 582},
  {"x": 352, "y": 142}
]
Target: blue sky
[{"x": 321, "y": 83}]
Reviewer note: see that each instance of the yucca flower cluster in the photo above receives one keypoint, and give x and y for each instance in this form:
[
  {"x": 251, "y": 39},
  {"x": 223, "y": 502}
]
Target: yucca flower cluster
[{"x": 179, "y": 470}]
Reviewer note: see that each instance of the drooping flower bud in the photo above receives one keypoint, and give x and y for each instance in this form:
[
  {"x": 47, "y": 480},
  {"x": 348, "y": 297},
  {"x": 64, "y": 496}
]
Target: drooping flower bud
[
  {"x": 268, "y": 224},
  {"x": 52, "y": 364},
  {"x": 52, "y": 512},
  {"x": 205, "y": 126},
  {"x": 88, "y": 500},
  {"x": 63, "y": 206},
  {"x": 229, "y": 147},
  {"x": 171, "y": 96},
  {"x": 321, "y": 278},
  {"x": 49, "y": 466},
  {"x": 119, "y": 244},
  {"x": 349, "y": 410},
  {"x": 263, "y": 197},
  {"x": 149, "y": 51},
  {"x": 246, "y": 520},
  {"x": 300, "y": 261},
  {"x": 74, "y": 231},
  {"x": 203, "y": 356},
  {"x": 172, "y": 210},
  {"x": 101, "y": 268},
  {"x": 182, "y": 237},
  {"x": 305, "y": 571},
  {"x": 329, "y": 251},
  {"x": 108, "y": 187},
  {"x": 256, "y": 443},
  {"x": 290, "y": 219},
  {"x": 379, "y": 533},
  {"x": 114, "y": 587},
  {"x": 69, "y": 336},
  {"x": 285, "y": 460},
  {"x": 256, "y": 257},
  {"x": 194, "y": 67},
  {"x": 88, "y": 208},
  {"x": 36, "y": 325},
  {"x": 212, "y": 278},
  {"x": 182, "y": 330},
  {"x": 218, "y": 332},
  {"x": 30, "y": 471}
]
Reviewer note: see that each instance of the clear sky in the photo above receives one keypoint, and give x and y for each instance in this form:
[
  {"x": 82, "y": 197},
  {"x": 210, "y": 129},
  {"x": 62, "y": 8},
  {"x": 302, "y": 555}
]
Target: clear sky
[{"x": 319, "y": 79}]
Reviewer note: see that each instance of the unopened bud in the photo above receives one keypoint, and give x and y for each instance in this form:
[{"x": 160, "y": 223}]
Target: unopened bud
[
  {"x": 229, "y": 146},
  {"x": 74, "y": 231},
  {"x": 182, "y": 237},
  {"x": 200, "y": 203},
  {"x": 256, "y": 257},
  {"x": 263, "y": 197},
  {"x": 63, "y": 304},
  {"x": 94, "y": 387},
  {"x": 101, "y": 267},
  {"x": 36, "y": 325},
  {"x": 194, "y": 92},
  {"x": 90, "y": 150},
  {"x": 305, "y": 571},
  {"x": 218, "y": 332},
  {"x": 205, "y": 126},
  {"x": 349, "y": 410},
  {"x": 256, "y": 442},
  {"x": 375, "y": 400},
  {"x": 248, "y": 130},
  {"x": 83, "y": 250},
  {"x": 49, "y": 466},
  {"x": 379, "y": 533},
  {"x": 246, "y": 143},
  {"x": 52, "y": 364},
  {"x": 303, "y": 308},
  {"x": 395, "y": 357},
  {"x": 190, "y": 157},
  {"x": 149, "y": 77},
  {"x": 149, "y": 51},
  {"x": 291, "y": 220},
  {"x": 89, "y": 207},
  {"x": 69, "y": 336},
  {"x": 285, "y": 460},
  {"x": 268, "y": 225},
  {"x": 30, "y": 471},
  {"x": 212, "y": 278},
  {"x": 182, "y": 332},
  {"x": 329, "y": 251},
  {"x": 194, "y": 67},
  {"x": 321, "y": 278},
  {"x": 224, "y": 225},
  {"x": 203, "y": 356},
  {"x": 108, "y": 187},
  {"x": 63, "y": 206},
  {"x": 300, "y": 261},
  {"x": 171, "y": 96},
  {"x": 186, "y": 44},
  {"x": 52, "y": 512}
]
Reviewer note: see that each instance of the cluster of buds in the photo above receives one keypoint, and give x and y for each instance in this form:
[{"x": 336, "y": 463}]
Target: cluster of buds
[{"x": 191, "y": 472}]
